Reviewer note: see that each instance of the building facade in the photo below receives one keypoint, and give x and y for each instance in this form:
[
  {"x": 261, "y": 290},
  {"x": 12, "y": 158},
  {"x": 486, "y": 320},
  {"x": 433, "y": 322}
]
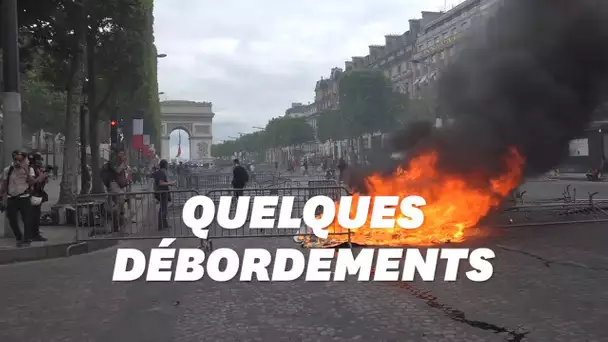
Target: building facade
[
  {"x": 297, "y": 110},
  {"x": 440, "y": 40},
  {"x": 393, "y": 58},
  {"x": 327, "y": 91}
]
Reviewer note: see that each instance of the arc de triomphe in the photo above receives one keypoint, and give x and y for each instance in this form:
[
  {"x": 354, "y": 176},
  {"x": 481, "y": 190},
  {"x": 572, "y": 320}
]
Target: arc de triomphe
[{"x": 196, "y": 118}]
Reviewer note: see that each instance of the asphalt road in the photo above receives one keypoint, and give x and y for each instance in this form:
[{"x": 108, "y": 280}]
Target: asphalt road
[
  {"x": 549, "y": 285},
  {"x": 557, "y": 293}
]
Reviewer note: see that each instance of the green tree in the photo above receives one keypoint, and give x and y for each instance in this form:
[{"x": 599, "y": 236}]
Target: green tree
[
  {"x": 284, "y": 131},
  {"x": 225, "y": 149},
  {"x": 62, "y": 38},
  {"x": 418, "y": 110},
  {"x": 43, "y": 105},
  {"x": 115, "y": 37},
  {"x": 116, "y": 65},
  {"x": 366, "y": 99},
  {"x": 253, "y": 142},
  {"x": 329, "y": 126}
]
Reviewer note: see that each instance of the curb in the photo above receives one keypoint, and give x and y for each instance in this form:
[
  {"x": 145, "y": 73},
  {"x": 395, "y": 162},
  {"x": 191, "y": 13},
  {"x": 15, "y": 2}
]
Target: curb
[{"x": 60, "y": 250}]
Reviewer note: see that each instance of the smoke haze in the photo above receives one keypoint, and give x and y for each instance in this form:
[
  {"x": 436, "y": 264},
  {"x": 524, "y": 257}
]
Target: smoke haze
[{"x": 531, "y": 80}]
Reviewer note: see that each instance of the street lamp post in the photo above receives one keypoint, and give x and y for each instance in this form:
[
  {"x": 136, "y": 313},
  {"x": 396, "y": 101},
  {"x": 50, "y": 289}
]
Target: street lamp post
[
  {"x": 46, "y": 140},
  {"x": 54, "y": 152}
]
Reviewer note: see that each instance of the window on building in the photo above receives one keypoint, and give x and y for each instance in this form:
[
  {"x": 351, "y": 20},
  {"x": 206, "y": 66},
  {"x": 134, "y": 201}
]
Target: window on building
[
  {"x": 464, "y": 24},
  {"x": 454, "y": 30},
  {"x": 437, "y": 40}
]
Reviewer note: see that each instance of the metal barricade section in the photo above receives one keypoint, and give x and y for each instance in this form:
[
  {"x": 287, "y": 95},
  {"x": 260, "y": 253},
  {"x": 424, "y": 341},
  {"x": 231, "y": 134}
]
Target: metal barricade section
[
  {"x": 322, "y": 183},
  {"x": 300, "y": 196},
  {"x": 130, "y": 215},
  {"x": 567, "y": 209},
  {"x": 209, "y": 181},
  {"x": 276, "y": 182}
]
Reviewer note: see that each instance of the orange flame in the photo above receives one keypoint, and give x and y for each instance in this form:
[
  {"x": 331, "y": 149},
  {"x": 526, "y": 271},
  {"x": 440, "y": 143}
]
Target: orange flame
[{"x": 453, "y": 206}]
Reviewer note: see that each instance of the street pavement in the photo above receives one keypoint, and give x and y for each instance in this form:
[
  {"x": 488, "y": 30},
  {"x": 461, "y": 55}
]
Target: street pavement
[
  {"x": 555, "y": 293},
  {"x": 549, "y": 285}
]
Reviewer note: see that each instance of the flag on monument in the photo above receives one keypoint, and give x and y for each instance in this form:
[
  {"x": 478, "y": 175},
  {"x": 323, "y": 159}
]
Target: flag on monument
[{"x": 179, "y": 144}]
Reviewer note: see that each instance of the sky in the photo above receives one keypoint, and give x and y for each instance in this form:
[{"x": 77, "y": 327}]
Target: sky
[{"x": 252, "y": 59}]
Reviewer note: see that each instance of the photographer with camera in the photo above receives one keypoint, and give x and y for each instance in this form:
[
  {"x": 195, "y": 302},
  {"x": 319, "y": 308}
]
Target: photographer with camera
[{"x": 16, "y": 186}]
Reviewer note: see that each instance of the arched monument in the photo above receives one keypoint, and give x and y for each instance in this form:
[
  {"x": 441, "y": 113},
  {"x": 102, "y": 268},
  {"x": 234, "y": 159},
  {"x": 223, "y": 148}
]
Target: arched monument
[{"x": 196, "y": 118}]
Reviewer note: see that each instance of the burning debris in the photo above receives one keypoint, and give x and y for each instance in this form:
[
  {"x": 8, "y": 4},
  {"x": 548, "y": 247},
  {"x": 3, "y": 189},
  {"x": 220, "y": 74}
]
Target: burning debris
[{"x": 521, "y": 90}]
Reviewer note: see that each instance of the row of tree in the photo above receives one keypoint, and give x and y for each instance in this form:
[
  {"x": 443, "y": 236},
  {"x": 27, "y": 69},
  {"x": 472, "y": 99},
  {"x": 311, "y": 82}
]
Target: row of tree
[
  {"x": 82, "y": 60},
  {"x": 282, "y": 131},
  {"x": 368, "y": 104}
]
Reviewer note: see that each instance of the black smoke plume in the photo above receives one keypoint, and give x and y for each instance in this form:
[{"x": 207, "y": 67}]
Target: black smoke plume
[{"x": 531, "y": 79}]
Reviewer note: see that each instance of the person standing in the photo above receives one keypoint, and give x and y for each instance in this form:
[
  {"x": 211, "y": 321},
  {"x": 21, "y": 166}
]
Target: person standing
[
  {"x": 17, "y": 180},
  {"x": 37, "y": 191},
  {"x": 162, "y": 195},
  {"x": 305, "y": 166},
  {"x": 240, "y": 177},
  {"x": 114, "y": 178},
  {"x": 342, "y": 168}
]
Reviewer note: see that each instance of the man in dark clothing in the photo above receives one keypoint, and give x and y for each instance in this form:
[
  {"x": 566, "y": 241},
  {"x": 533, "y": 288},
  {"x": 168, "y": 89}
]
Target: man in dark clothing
[
  {"x": 37, "y": 190},
  {"x": 342, "y": 168},
  {"x": 161, "y": 186},
  {"x": 240, "y": 177}
]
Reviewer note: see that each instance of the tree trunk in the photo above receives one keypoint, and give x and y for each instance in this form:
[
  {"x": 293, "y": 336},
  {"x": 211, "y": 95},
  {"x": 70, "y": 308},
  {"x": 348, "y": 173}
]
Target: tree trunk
[
  {"x": 97, "y": 185},
  {"x": 85, "y": 177},
  {"x": 69, "y": 181}
]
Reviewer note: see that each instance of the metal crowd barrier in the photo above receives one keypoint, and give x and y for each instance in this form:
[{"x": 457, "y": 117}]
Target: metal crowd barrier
[
  {"x": 100, "y": 217},
  {"x": 300, "y": 194},
  {"x": 568, "y": 195},
  {"x": 567, "y": 209},
  {"x": 208, "y": 181}
]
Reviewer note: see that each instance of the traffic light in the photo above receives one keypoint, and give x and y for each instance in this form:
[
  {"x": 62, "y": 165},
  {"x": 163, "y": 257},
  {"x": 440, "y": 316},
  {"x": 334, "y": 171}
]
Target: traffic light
[{"x": 113, "y": 133}]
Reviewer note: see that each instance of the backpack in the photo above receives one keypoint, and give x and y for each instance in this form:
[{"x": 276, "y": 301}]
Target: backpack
[
  {"x": 245, "y": 175},
  {"x": 107, "y": 175},
  {"x": 157, "y": 192}
]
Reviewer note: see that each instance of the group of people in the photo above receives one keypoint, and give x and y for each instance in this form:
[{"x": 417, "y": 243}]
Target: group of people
[
  {"x": 22, "y": 191},
  {"x": 118, "y": 177},
  {"x": 24, "y": 180}
]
